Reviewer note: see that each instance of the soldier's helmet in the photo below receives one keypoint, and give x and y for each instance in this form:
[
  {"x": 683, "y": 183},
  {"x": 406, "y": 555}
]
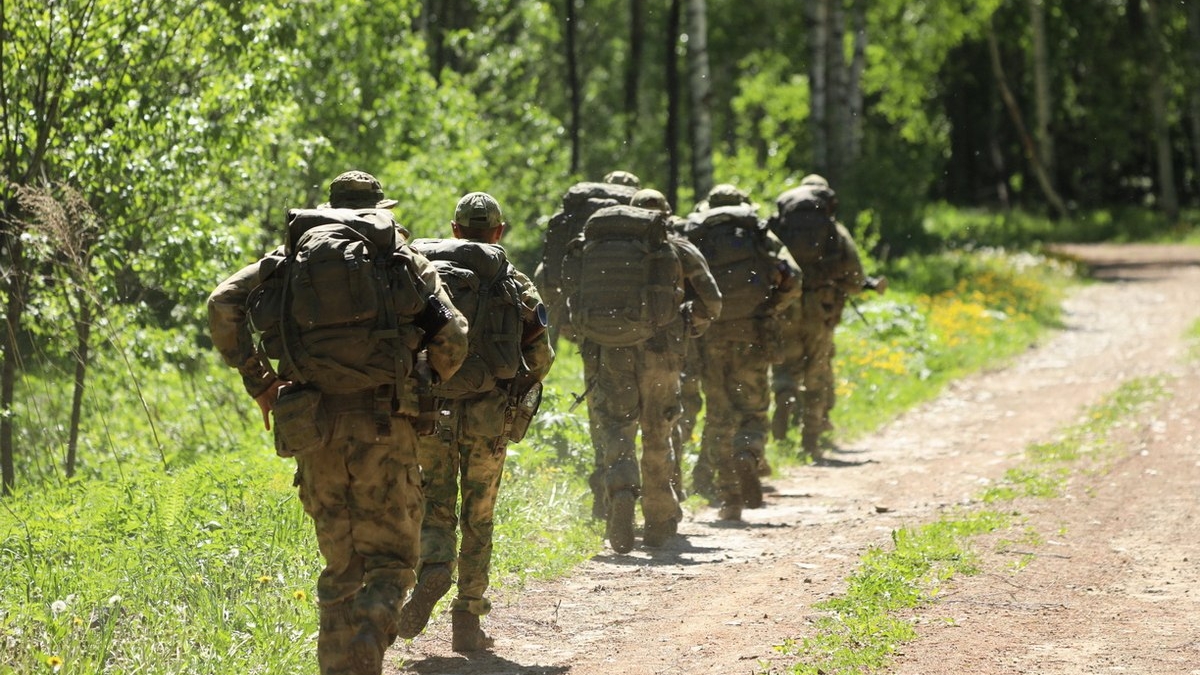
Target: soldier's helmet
[
  {"x": 622, "y": 178},
  {"x": 724, "y": 194},
  {"x": 479, "y": 210},
  {"x": 358, "y": 190},
  {"x": 651, "y": 199}
]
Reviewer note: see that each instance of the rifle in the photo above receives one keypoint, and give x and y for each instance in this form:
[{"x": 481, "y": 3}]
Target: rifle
[{"x": 579, "y": 398}]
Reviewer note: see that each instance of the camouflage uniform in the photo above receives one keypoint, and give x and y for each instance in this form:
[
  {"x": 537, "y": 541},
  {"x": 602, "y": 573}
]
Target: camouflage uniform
[
  {"x": 735, "y": 357},
  {"x": 466, "y": 456},
  {"x": 637, "y": 387},
  {"x": 803, "y": 382},
  {"x": 362, "y": 488}
]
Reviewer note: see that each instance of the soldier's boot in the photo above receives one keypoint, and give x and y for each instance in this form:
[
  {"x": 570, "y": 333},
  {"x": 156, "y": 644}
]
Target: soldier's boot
[
  {"x": 781, "y": 419},
  {"x": 433, "y": 584},
  {"x": 657, "y": 533},
  {"x": 764, "y": 467},
  {"x": 467, "y": 636},
  {"x": 599, "y": 499},
  {"x": 748, "y": 480},
  {"x": 810, "y": 443},
  {"x": 375, "y": 610},
  {"x": 621, "y": 507},
  {"x": 702, "y": 483},
  {"x": 730, "y": 510}
]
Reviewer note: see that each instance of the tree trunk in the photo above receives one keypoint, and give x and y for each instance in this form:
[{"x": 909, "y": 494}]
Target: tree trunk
[
  {"x": 858, "y": 65},
  {"x": 1041, "y": 87},
  {"x": 838, "y": 115},
  {"x": 14, "y": 310},
  {"x": 83, "y": 333},
  {"x": 1014, "y": 111},
  {"x": 1193, "y": 24},
  {"x": 701, "y": 96},
  {"x": 633, "y": 67},
  {"x": 573, "y": 93},
  {"x": 671, "y": 62},
  {"x": 817, "y": 92},
  {"x": 1168, "y": 198}
]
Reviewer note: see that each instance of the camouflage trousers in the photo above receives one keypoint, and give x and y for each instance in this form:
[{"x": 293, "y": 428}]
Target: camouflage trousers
[
  {"x": 735, "y": 380},
  {"x": 636, "y": 388},
  {"x": 803, "y": 383},
  {"x": 363, "y": 493},
  {"x": 464, "y": 458},
  {"x": 692, "y": 402}
]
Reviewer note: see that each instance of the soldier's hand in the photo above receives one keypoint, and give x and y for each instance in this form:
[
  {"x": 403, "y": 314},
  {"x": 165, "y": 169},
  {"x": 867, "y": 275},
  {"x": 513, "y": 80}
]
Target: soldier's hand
[
  {"x": 266, "y": 401},
  {"x": 880, "y": 285}
]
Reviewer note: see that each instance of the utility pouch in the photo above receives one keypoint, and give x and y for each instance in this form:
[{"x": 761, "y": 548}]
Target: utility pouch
[
  {"x": 301, "y": 425},
  {"x": 524, "y": 412}
]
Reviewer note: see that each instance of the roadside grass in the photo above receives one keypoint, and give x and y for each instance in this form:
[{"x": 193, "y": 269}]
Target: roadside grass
[
  {"x": 180, "y": 545},
  {"x": 860, "y": 630}
]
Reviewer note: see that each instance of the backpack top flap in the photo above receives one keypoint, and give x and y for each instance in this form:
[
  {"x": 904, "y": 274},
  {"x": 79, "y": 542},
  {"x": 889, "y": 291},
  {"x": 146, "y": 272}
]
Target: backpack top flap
[
  {"x": 733, "y": 241},
  {"x": 376, "y": 225},
  {"x": 580, "y": 193},
  {"x": 629, "y": 278},
  {"x": 483, "y": 286}
]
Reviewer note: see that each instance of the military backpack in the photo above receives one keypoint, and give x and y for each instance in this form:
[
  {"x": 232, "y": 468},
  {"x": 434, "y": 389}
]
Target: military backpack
[
  {"x": 484, "y": 287},
  {"x": 804, "y": 221},
  {"x": 734, "y": 242},
  {"x": 578, "y": 204},
  {"x": 623, "y": 279},
  {"x": 337, "y": 305}
]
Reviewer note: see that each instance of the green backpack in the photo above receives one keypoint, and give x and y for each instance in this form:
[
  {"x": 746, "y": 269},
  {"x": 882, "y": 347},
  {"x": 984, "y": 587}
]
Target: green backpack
[
  {"x": 336, "y": 305},
  {"x": 484, "y": 287},
  {"x": 805, "y": 223},
  {"x": 578, "y": 204},
  {"x": 734, "y": 242},
  {"x": 623, "y": 278}
]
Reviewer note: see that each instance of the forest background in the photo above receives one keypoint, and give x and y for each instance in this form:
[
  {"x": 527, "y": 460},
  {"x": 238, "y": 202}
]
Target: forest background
[{"x": 150, "y": 148}]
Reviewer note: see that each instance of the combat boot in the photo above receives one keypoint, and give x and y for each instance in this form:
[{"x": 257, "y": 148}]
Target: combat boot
[
  {"x": 433, "y": 584},
  {"x": 810, "y": 442},
  {"x": 730, "y": 510},
  {"x": 657, "y": 534},
  {"x": 621, "y": 506},
  {"x": 375, "y": 611},
  {"x": 748, "y": 480},
  {"x": 467, "y": 635},
  {"x": 781, "y": 420}
]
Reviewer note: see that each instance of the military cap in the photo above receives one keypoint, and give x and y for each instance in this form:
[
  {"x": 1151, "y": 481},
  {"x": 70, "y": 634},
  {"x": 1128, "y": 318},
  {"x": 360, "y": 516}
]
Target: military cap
[
  {"x": 814, "y": 179},
  {"x": 358, "y": 190},
  {"x": 479, "y": 210},
  {"x": 724, "y": 194},
  {"x": 651, "y": 199},
  {"x": 623, "y": 178}
]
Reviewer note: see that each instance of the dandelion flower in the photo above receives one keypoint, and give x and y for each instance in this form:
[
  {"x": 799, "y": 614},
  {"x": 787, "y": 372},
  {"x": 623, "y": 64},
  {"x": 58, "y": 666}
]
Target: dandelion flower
[
  {"x": 54, "y": 662},
  {"x": 264, "y": 579},
  {"x": 300, "y": 596},
  {"x": 77, "y": 621},
  {"x": 58, "y": 607}
]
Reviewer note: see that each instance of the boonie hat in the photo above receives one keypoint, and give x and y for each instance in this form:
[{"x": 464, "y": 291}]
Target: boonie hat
[
  {"x": 478, "y": 209},
  {"x": 358, "y": 190}
]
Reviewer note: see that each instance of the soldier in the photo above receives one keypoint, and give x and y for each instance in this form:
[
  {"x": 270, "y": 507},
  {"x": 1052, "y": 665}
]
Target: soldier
[
  {"x": 509, "y": 358},
  {"x": 626, "y": 298},
  {"x": 704, "y": 296},
  {"x": 758, "y": 280},
  {"x": 803, "y": 382},
  {"x": 356, "y": 464}
]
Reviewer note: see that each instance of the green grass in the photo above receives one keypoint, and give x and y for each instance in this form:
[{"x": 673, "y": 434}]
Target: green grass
[{"x": 861, "y": 629}]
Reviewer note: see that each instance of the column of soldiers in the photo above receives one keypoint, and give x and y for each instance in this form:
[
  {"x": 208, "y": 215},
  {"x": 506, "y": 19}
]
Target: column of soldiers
[
  {"x": 752, "y": 320},
  {"x": 396, "y": 373}
]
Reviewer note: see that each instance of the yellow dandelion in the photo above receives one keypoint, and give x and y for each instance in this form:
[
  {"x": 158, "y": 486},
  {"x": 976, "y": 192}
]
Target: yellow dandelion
[
  {"x": 300, "y": 596},
  {"x": 264, "y": 579},
  {"x": 77, "y": 621},
  {"x": 54, "y": 662}
]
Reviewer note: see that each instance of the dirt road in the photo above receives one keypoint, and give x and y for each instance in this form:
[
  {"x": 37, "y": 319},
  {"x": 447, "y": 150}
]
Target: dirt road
[{"x": 1112, "y": 583}]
